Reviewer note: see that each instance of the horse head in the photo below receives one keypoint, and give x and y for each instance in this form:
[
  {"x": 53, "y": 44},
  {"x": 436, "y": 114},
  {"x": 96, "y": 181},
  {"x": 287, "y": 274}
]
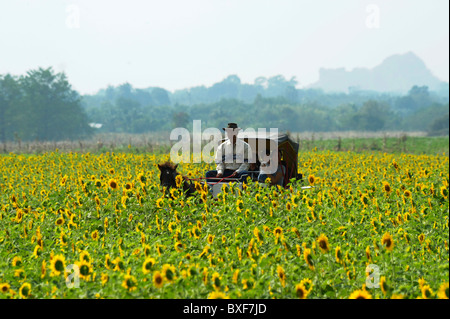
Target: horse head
[{"x": 168, "y": 173}]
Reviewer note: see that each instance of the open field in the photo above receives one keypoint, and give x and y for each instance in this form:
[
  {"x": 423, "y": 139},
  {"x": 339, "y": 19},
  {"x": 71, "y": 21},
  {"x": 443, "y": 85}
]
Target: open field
[
  {"x": 105, "y": 216},
  {"x": 159, "y": 142}
]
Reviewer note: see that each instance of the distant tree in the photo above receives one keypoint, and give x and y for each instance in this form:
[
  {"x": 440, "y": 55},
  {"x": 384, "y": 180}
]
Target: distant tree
[
  {"x": 180, "y": 119},
  {"x": 440, "y": 126},
  {"x": 420, "y": 95},
  {"x": 291, "y": 94},
  {"x": 405, "y": 105},
  {"x": 423, "y": 118},
  {"x": 160, "y": 96},
  {"x": 110, "y": 93},
  {"x": 372, "y": 116},
  {"x": 9, "y": 112},
  {"x": 260, "y": 84},
  {"x": 53, "y": 109},
  {"x": 143, "y": 97},
  {"x": 129, "y": 111},
  {"x": 344, "y": 116},
  {"x": 276, "y": 85},
  {"x": 126, "y": 91},
  {"x": 227, "y": 89}
]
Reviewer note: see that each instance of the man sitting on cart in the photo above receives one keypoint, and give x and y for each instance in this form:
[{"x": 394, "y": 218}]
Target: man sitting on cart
[{"x": 232, "y": 158}]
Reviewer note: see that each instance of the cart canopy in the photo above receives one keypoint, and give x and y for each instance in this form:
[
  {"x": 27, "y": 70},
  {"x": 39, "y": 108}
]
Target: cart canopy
[{"x": 282, "y": 141}]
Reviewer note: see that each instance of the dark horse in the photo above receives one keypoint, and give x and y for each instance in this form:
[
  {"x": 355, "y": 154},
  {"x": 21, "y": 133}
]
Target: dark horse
[{"x": 168, "y": 178}]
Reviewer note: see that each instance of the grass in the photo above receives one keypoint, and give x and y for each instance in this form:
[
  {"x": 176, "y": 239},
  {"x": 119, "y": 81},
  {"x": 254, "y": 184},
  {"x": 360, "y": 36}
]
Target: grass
[
  {"x": 159, "y": 143},
  {"x": 405, "y": 144}
]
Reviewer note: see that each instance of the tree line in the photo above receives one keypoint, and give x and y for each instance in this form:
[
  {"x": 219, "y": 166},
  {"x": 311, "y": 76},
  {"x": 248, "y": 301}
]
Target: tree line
[
  {"x": 124, "y": 109},
  {"x": 41, "y": 105}
]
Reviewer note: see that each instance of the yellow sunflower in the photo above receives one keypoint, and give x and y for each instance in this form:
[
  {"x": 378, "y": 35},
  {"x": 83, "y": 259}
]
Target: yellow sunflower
[
  {"x": 196, "y": 232},
  {"x": 211, "y": 238},
  {"x": 443, "y": 291},
  {"x": 383, "y": 285},
  {"x": 4, "y": 287},
  {"x": 307, "y": 284},
  {"x": 360, "y": 294},
  {"x": 386, "y": 188},
  {"x": 444, "y": 191},
  {"x": 311, "y": 179},
  {"x": 217, "y": 295},
  {"x": 178, "y": 180},
  {"x": 108, "y": 262},
  {"x": 94, "y": 235},
  {"x": 239, "y": 205},
  {"x": 258, "y": 234},
  {"x": 129, "y": 283},
  {"x": 301, "y": 291},
  {"x": 158, "y": 279},
  {"x": 17, "y": 261},
  {"x": 235, "y": 276},
  {"x": 104, "y": 278},
  {"x": 322, "y": 241},
  {"x": 85, "y": 269},
  {"x": 278, "y": 231},
  {"x": 25, "y": 290},
  {"x": 216, "y": 280},
  {"x": 308, "y": 258},
  {"x": 113, "y": 184},
  {"x": 141, "y": 177},
  {"x": 148, "y": 264},
  {"x": 388, "y": 241},
  {"x": 421, "y": 238},
  {"x": 160, "y": 202},
  {"x": 427, "y": 292},
  {"x": 368, "y": 252},
  {"x": 338, "y": 254},
  {"x": 57, "y": 265},
  {"x": 59, "y": 221},
  {"x": 128, "y": 187},
  {"x": 281, "y": 275},
  {"x": 168, "y": 272},
  {"x": 178, "y": 246}
]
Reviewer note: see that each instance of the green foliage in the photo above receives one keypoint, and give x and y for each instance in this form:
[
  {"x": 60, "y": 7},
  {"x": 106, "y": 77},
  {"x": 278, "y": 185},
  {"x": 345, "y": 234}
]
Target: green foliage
[
  {"x": 40, "y": 105},
  {"x": 106, "y": 214},
  {"x": 269, "y": 102}
]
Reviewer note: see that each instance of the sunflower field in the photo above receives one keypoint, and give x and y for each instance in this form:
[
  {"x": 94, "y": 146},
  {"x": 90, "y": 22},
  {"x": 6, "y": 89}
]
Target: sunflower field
[{"x": 76, "y": 225}]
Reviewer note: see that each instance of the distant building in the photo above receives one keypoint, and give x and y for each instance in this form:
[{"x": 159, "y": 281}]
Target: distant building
[{"x": 96, "y": 125}]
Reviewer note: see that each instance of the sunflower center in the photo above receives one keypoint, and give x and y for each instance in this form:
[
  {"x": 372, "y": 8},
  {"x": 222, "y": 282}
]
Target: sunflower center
[
  {"x": 59, "y": 265},
  {"x": 322, "y": 244},
  {"x": 84, "y": 270},
  {"x": 25, "y": 291}
]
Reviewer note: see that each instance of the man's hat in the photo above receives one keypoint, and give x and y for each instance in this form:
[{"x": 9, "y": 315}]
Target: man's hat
[{"x": 234, "y": 126}]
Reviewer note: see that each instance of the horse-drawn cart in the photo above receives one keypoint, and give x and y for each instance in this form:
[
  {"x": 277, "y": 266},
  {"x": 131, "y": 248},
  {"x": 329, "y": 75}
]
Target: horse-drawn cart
[{"x": 260, "y": 143}]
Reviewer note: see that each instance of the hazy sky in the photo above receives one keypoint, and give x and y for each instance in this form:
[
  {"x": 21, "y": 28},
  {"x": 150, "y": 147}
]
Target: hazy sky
[{"x": 177, "y": 44}]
